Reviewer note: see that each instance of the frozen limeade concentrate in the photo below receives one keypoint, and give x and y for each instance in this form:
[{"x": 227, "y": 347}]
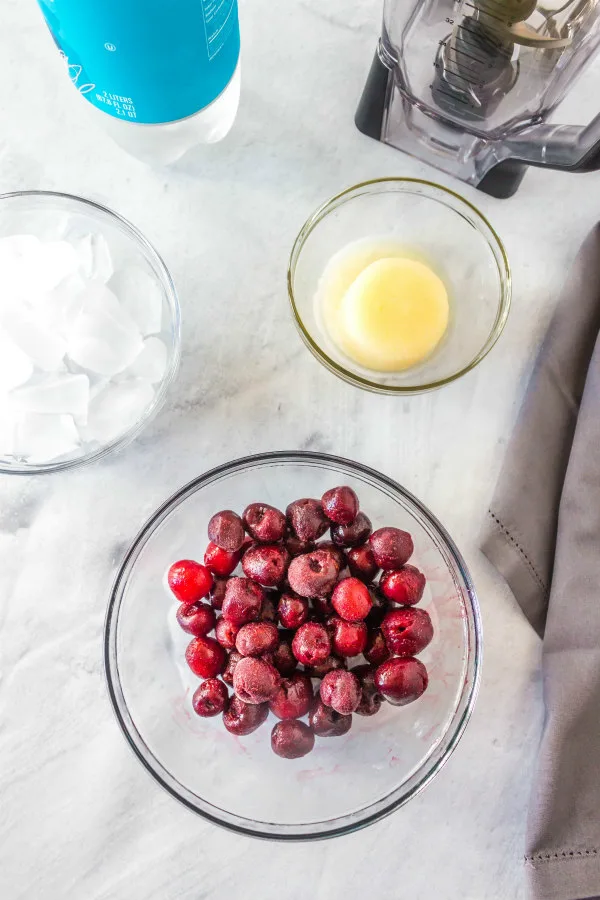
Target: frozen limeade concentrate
[
  {"x": 172, "y": 67},
  {"x": 382, "y": 308}
]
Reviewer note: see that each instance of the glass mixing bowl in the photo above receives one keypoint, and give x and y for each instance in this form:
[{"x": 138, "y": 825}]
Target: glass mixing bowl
[
  {"x": 435, "y": 225},
  {"x": 48, "y": 215},
  {"x": 346, "y": 782}
]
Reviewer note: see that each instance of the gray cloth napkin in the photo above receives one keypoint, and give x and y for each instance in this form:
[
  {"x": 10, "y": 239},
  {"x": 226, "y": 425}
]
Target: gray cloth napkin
[{"x": 542, "y": 533}]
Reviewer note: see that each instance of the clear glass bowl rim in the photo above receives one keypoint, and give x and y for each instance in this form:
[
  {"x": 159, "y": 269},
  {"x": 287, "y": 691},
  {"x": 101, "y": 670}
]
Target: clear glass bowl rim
[
  {"x": 275, "y": 831},
  {"x": 432, "y": 189},
  {"x": 148, "y": 249}
]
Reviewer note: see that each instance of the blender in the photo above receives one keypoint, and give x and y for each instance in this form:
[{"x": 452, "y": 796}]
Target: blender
[{"x": 468, "y": 86}]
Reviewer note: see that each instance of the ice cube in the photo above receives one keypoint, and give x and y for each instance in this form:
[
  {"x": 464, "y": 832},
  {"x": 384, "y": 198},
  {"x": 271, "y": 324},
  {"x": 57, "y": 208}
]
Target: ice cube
[
  {"x": 29, "y": 266},
  {"x": 93, "y": 354},
  {"x": 97, "y": 385},
  {"x": 15, "y": 366},
  {"x": 11, "y": 294},
  {"x": 83, "y": 248},
  {"x": 20, "y": 256},
  {"x": 100, "y": 297},
  {"x": 42, "y": 438},
  {"x": 141, "y": 296},
  {"x": 58, "y": 309},
  {"x": 58, "y": 260},
  {"x": 16, "y": 247},
  {"x": 95, "y": 261},
  {"x": 152, "y": 361},
  {"x": 103, "y": 338},
  {"x": 103, "y": 265},
  {"x": 116, "y": 409},
  {"x": 56, "y": 394},
  {"x": 44, "y": 348}
]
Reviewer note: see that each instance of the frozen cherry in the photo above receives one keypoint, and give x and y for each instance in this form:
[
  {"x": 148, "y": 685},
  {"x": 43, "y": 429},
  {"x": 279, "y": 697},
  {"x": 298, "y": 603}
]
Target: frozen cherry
[
  {"x": 377, "y": 650},
  {"x": 189, "y": 580},
  {"x": 283, "y": 658},
  {"x": 264, "y": 523},
  {"x": 205, "y": 657},
  {"x": 369, "y": 705},
  {"x": 340, "y": 505},
  {"x": 292, "y": 739},
  {"x": 351, "y": 600},
  {"x": 221, "y": 562},
  {"x": 210, "y": 698},
  {"x": 226, "y": 632},
  {"x": 326, "y": 722},
  {"x": 331, "y": 664},
  {"x": 256, "y": 638},
  {"x": 292, "y": 610},
  {"x": 307, "y": 519},
  {"x": 217, "y": 593},
  {"x": 378, "y": 610},
  {"x": 248, "y": 543},
  {"x": 341, "y": 690},
  {"x": 401, "y": 681},
  {"x": 347, "y": 638},
  {"x": 255, "y": 681},
  {"x": 196, "y": 618},
  {"x": 243, "y": 718},
  {"x": 335, "y": 551},
  {"x": 294, "y": 697},
  {"x": 391, "y": 547},
  {"x": 361, "y": 563},
  {"x": 266, "y": 564},
  {"x": 243, "y": 600},
  {"x": 232, "y": 661},
  {"x": 321, "y": 609},
  {"x": 404, "y": 586},
  {"x": 407, "y": 630},
  {"x": 375, "y": 617},
  {"x": 352, "y": 535},
  {"x": 311, "y": 643},
  {"x": 268, "y": 612},
  {"x": 296, "y": 547},
  {"x": 370, "y": 698},
  {"x": 226, "y": 530},
  {"x": 314, "y": 574}
]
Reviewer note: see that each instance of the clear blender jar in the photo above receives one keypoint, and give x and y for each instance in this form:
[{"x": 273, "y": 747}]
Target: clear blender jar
[{"x": 468, "y": 86}]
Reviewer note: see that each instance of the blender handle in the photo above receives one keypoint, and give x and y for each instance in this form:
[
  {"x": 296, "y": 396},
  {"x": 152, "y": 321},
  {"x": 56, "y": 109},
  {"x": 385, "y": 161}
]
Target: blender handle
[{"x": 567, "y": 148}]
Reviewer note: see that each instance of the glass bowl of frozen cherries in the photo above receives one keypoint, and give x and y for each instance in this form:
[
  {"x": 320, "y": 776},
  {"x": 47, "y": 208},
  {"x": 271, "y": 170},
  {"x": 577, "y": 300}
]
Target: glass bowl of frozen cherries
[
  {"x": 293, "y": 645},
  {"x": 89, "y": 331}
]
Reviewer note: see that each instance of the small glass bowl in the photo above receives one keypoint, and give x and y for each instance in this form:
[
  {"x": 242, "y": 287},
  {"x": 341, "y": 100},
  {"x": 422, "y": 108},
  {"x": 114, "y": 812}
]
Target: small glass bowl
[
  {"x": 44, "y": 214},
  {"x": 434, "y": 224},
  {"x": 346, "y": 782}
]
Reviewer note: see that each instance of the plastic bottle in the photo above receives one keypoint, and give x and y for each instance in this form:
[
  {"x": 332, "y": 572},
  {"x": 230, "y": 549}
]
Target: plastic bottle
[{"x": 164, "y": 73}]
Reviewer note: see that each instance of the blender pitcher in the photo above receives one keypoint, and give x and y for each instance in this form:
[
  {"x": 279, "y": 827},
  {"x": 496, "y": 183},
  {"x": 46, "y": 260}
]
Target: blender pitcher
[{"x": 467, "y": 86}]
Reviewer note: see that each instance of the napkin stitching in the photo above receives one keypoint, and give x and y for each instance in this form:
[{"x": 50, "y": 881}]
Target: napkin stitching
[
  {"x": 561, "y": 854},
  {"x": 522, "y": 553}
]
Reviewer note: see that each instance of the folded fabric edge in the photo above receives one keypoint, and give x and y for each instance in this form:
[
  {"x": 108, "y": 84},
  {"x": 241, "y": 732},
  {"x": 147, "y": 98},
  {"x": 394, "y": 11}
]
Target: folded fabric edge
[
  {"x": 564, "y": 875},
  {"x": 508, "y": 557}
]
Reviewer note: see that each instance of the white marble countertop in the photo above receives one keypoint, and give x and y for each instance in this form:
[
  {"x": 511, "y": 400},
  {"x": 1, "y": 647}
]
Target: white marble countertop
[{"x": 80, "y": 818}]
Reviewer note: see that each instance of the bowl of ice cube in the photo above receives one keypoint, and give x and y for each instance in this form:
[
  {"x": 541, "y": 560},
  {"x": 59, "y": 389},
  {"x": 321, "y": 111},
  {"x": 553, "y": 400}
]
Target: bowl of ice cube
[{"x": 89, "y": 331}]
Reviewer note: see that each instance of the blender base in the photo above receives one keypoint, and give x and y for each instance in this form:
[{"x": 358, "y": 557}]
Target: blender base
[{"x": 386, "y": 115}]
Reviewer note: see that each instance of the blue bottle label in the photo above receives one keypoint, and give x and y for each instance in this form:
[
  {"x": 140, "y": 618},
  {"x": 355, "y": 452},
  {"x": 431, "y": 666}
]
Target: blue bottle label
[{"x": 148, "y": 61}]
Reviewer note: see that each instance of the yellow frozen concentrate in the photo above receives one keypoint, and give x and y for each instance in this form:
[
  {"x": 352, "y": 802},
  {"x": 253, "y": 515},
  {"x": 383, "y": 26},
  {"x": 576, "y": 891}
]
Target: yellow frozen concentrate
[{"x": 386, "y": 314}]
